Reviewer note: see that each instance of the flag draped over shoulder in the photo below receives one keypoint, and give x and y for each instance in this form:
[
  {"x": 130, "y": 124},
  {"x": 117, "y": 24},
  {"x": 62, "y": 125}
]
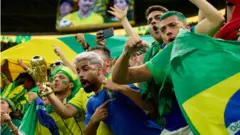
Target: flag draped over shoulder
[
  {"x": 205, "y": 73},
  {"x": 36, "y": 121}
]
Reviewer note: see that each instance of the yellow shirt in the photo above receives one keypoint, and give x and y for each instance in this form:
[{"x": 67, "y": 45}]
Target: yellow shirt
[
  {"x": 80, "y": 102},
  {"x": 76, "y": 20},
  {"x": 68, "y": 126}
]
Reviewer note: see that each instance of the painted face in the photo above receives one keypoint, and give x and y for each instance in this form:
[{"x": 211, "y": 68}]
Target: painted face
[
  {"x": 153, "y": 20},
  {"x": 86, "y": 5},
  {"x": 65, "y": 9},
  {"x": 121, "y": 4},
  {"x": 5, "y": 108},
  {"x": 61, "y": 82},
  {"x": 106, "y": 61},
  {"x": 169, "y": 28},
  {"x": 88, "y": 75}
]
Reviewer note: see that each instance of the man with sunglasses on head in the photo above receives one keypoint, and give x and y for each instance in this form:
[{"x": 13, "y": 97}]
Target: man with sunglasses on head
[{"x": 56, "y": 64}]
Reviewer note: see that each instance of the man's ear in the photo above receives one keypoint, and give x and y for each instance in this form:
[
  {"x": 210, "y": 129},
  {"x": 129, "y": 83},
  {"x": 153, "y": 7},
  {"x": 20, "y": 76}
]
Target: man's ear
[{"x": 99, "y": 71}]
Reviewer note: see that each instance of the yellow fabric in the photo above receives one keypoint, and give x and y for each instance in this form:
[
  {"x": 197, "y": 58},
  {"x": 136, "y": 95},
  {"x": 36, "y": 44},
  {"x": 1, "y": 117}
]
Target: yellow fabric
[
  {"x": 209, "y": 118},
  {"x": 41, "y": 130},
  {"x": 27, "y": 50},
  {"x": 80, "y": 100},
  {"x": 92, "y": 19},
  {"x": 70, "y": 123}
]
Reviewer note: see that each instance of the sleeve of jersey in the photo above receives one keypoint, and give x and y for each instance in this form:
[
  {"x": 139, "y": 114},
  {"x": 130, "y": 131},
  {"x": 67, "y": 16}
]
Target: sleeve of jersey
[
  {"x": 159, "y": 64},
  {"x": 134, "y": 86},
  {"x": 77, "y": 102},
  {"x": 89, "y": 113}
]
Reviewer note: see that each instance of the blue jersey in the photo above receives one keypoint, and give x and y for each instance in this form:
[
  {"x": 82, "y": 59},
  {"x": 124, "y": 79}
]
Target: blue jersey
[{"x": 124, "y": 116}]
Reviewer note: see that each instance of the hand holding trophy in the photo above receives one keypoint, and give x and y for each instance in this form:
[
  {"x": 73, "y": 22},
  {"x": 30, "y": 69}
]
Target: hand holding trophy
[{"x": 39, "y": 74}]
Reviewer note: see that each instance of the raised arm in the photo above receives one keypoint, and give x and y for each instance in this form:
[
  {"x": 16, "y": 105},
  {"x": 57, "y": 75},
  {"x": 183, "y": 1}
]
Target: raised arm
[
  {"x": 5, "y": 79},
  {"x": 121, "y": 73},
  {"x": 213, "y": 18},
  {"x": 81, "y": 40},
  {"x": 64, "y": 111},
  {"x": 122, "y": 16},
  {"x": 134, "y": 95},
  {"x": 25, "y": 67},
  {"x": 64, "y": 59}
]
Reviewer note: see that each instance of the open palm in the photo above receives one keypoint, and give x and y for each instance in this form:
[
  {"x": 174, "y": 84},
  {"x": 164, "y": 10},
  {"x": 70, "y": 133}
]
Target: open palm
[{"x": 118, "y": 12}]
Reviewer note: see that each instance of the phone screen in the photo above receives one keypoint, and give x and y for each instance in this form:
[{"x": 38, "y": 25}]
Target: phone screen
[{"x": 107, "y": 33}]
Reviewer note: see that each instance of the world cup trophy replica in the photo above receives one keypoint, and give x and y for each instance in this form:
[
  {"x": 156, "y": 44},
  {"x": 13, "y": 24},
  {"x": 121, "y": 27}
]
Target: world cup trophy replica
[{"x": 39, "y": 73}]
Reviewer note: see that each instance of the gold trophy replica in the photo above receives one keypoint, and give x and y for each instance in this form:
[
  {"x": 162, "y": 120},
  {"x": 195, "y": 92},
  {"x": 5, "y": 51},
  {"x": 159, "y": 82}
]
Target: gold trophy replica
[{"x": 39, "y": 73}]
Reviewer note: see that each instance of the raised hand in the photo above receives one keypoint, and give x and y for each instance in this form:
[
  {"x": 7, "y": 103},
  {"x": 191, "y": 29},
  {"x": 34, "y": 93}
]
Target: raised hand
[
  {"x": 5, "y": 118},
  {"x": 111, "y": 85},
  {"x": 133, "y": 44},
  {"x": 44, "y": 90},
  {"x": 57, "y": 50},
  {"x": 20, "y": 62},
  {"x": 118, "y": 12},
  {"x": 99, "y": 38},
  {"x": 101, "y": 113},
  {"x": 81, "y": 39}
]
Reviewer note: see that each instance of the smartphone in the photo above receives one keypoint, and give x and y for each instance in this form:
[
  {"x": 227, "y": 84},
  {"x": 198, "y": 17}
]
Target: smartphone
[{"x": 107, "y": 33}]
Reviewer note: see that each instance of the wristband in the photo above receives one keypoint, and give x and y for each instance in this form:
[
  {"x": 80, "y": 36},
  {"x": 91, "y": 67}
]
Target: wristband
[{"x": 86, "y": 48}]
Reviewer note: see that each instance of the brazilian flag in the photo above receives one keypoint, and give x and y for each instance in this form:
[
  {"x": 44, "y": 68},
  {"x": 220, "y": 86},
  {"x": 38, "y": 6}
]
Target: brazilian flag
[
  {"x": 43, "y": 47},
  {"x": 205, "y": 73},
  {"x": 206, "y": 76}
]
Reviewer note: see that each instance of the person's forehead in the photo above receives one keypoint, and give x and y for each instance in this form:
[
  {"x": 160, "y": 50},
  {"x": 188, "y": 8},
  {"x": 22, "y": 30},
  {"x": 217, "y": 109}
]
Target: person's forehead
[
  {"x": 82, "y": 63},
  {"x": 168, "y": 20},
  {"x": 60, "y": 74},
  {"x": 2, "y": 100},
  {"x": 154, "y": 13},
  {"x": 101, "y": 53}
]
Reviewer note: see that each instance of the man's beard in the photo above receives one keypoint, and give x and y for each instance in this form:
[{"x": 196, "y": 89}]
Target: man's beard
[{"x": 90, "y": 88}]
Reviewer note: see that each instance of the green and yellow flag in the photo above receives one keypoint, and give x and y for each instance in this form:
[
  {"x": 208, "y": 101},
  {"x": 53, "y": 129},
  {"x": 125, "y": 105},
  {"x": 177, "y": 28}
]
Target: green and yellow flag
[
  {"x": 205, "y": 73},
  {"x": 206, "y": 79}
]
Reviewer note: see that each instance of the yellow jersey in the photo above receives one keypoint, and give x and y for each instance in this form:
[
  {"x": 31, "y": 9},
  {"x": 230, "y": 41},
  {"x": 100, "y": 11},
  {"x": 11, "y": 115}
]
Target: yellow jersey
[{"x": 74, "y": 20}]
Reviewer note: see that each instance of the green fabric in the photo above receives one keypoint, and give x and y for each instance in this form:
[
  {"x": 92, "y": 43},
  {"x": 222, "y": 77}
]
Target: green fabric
[
  {"x": 191, "y": 60},
  {"x": 6, "y": 130},
  {"x": 28, "y": 125},
  {"x": 151, "y": 52},
  {"x": 162, "y": 81},
  {"x": 115, "y": 43},
  {"x": 151, "y": 91}
]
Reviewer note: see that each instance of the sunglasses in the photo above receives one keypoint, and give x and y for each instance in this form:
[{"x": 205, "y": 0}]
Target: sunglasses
[{"x": 56, "y": 64}]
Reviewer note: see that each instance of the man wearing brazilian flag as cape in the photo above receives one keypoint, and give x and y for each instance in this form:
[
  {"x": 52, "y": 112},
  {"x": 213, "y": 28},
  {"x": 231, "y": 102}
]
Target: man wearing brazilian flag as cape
[{"x": 203, "y": 72}]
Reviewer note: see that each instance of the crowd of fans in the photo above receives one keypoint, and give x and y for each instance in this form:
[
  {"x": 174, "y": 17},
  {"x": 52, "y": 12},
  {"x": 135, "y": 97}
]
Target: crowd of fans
[{"x": 87, "y": 96}]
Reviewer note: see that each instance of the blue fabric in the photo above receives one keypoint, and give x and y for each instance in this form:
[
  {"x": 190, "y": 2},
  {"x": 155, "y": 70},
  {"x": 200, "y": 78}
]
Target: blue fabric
[
  {"x": 44, "y": 118},
  {"x": 124, "y": 116},
  {"x": 175, "y": 119}
]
